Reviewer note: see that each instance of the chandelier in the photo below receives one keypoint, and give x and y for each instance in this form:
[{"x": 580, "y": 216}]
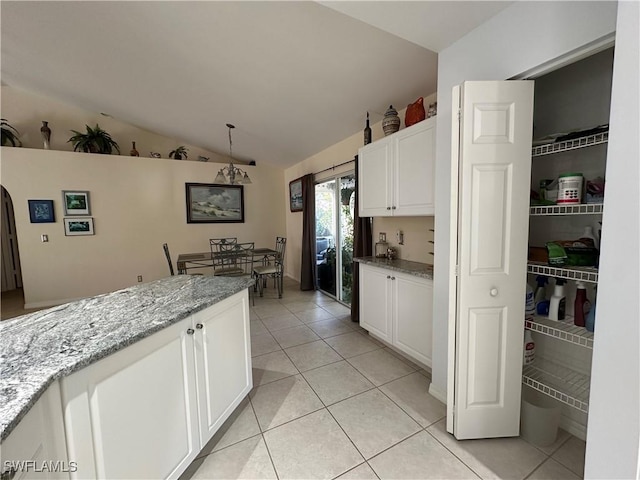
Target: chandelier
[{"x": 232, "y": 174}]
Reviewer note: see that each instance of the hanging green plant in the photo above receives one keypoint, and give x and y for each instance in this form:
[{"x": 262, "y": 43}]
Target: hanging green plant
[
  {"x": 9, "y": 134},
  {"x": 95, "y": 140},
  {"x": 179, "y": 152}
]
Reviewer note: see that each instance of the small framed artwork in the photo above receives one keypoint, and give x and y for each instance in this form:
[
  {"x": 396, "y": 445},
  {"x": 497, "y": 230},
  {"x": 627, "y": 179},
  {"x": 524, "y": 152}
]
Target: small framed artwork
[
  {"x": 78, "y": 226},
  {"x": 41, "y": 211},
  {"x": 295, "y": 195},
  {"x": 76, "y": 202},
  {"x": 213, "y": 203}
]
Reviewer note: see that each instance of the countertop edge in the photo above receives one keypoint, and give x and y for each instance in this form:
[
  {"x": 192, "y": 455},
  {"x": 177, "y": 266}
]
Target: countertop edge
[
  {"x": 417, "y": 269},
  {"x": 8, "y": 424}
]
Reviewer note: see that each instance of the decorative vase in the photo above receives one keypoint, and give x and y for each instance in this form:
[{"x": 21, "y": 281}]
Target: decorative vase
[
  {"x": 433, "y": 110},
  {"x": 134, "y": 152},
  {"x": 391, "y": 121},
  {"x": 415, "y": 112},
  {"x": 46, "y": 134}
]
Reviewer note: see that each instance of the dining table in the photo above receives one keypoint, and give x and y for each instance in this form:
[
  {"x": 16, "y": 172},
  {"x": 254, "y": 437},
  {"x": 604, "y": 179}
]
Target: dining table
[{"x": 192, "y": 261}]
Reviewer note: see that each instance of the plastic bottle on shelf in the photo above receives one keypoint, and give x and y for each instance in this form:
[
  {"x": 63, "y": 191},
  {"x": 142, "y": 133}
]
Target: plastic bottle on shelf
[
  {"x": 582, "y": 305},
  {"x": 590, "y": 321},
  {"x": 588, "y": 233},
  {"x": 540, "y": 293},
  {"x": 558, "y": 301},
  {"x": 529, "y": 304},
  {"x": 529, "y": 352}
]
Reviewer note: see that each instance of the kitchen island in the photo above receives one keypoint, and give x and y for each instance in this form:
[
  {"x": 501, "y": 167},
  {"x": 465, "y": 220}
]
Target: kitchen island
[{"x": 135, "y": 365}]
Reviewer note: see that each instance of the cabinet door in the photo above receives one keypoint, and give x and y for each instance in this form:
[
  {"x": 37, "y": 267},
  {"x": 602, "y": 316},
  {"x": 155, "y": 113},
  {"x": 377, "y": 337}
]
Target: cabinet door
[
  {"x": 37, "y": 442},
  {"x": 374, "y": 179},
  {"x": 223, "y": 361},
  {"x": 375, "y": 301},
  {"x": 494, "y": 179},
  {"x": 413, "y": 316},
  {"x": 414, "y": 152},
  {"x": 134, "y": 414}
]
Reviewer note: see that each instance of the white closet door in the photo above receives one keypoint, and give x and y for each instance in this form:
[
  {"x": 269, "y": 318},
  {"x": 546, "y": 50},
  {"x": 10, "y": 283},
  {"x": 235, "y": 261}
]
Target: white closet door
[{"x": 494, "y": 179}]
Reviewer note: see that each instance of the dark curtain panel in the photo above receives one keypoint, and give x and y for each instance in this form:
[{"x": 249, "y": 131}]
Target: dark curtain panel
[
  {"x": 362, "y": 247},
  {"x": 308, "y": 277}
]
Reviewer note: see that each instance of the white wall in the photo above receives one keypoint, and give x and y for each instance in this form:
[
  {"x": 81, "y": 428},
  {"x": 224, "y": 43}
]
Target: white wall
[
  {"x": 137, "y": 205},
  {"x": 613, "y": 435},
  {"x": 416, "y": 229},
  {"x": 521, "y": 38},
  {"x": 25, "y": 111}
]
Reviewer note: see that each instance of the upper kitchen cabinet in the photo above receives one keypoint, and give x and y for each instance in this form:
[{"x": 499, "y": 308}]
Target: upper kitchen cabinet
[{"x": 396, "y": 173}]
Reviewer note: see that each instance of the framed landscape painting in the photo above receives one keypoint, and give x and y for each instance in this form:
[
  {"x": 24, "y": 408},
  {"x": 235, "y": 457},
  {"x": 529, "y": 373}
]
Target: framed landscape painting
[
  {"x": 78, "y": 226},
  {"x": 295, "y": 195},
  {"x": 76, "y": 202},
  {"x": 41, "y": 211},
  {"x": 213, "y": 203}
]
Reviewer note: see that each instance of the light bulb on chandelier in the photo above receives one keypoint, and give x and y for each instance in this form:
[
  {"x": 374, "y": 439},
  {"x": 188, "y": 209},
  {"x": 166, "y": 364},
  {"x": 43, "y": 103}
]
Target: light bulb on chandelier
[{"x": 235, "y": 175}]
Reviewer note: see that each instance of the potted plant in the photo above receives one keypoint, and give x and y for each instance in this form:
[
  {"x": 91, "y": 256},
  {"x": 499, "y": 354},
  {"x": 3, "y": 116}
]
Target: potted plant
[
  {"x": 178, "y": 153},
  {"x": 95, "y": 140},
  {"x": 9, "y": 134}
]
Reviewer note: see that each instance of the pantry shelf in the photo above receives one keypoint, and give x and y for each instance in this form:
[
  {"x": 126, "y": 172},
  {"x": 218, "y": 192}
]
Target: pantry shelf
[
  {"x": 582, "y": 209},
  {"x": 561, "y": 383},
  {"x": 584, "y": 274},
  {"x": 565, "y": 330},
  {"x": 574, "y": 144}
]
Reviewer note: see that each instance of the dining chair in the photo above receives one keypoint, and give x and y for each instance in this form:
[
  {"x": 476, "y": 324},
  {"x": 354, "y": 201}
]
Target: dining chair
[
  {"x": 165, "y": 247},
  {"x": 214, "y": 243},
  {"x": 233, "y": 259},
  {"x": 274, "y": 268}
]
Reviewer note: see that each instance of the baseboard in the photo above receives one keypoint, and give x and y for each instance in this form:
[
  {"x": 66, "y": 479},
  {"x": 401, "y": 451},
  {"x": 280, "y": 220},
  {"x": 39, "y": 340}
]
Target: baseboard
[
  {"x": 574, "y": 428},
  {"x": 437, "y": 393},
  {"x": 50, "y": 303}
]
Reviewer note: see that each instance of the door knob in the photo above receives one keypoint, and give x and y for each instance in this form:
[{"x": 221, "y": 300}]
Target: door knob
[
  {"x": 388, "y": 208},
  {"x": 493, "y": 292},
  {"x": 199, "y": 326},
  {"x": 190, "y": 331}
]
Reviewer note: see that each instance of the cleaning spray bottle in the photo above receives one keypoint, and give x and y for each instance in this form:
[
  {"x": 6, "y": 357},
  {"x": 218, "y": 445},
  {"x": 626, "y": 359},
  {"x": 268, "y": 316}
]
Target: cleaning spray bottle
[
  {"x": 582, "y": 305},
  {"x": 529, "y": 348},
  {"x": 540, "y": 295},
  {"x": 558, "y": 301},
  {"x": 529, "y": 305}
]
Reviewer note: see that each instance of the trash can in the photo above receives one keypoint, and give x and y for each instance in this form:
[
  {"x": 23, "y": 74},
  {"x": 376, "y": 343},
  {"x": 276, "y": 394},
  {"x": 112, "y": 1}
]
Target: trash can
[{"x": 539, "y": 417}]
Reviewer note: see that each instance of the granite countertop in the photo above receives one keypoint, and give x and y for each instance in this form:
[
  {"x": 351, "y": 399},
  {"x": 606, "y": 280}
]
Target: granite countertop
[
  {"x": 40, "y": 347},
  {"x": 423, "y": 270}
]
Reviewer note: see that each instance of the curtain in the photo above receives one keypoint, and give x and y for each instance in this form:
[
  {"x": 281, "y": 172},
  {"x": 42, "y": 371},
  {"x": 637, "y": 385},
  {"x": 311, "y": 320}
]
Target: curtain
[
  {"x": 362, "y": 247},
  {"x": 308, "y": 278}
]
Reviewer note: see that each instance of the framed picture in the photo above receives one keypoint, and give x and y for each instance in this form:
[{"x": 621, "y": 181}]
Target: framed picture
[
  {"x": 295, "y": 195},
  {"x": 213, "y": 203},
  {"x": 76, "y": 202},
  {"x": 41, "y": 211},
  {"x": 78, "y": 226}
]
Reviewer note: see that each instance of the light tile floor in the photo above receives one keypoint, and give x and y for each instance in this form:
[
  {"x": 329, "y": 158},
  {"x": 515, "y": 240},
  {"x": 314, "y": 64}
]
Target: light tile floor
[{"x": 331, "y": 402}]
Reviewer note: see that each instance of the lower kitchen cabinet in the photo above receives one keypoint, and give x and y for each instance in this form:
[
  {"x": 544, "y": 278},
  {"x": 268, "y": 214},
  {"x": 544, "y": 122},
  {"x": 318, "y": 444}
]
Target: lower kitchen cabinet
[
  {"x": 147, "y": 410},
  {"x": 398, "y": 309},
  {"x": 36, "y": 447}
]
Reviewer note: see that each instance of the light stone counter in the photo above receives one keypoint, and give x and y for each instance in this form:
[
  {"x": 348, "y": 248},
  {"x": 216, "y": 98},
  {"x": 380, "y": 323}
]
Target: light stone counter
[
  {"x": 423, "y": 270},
  {"x": 40, "y": 347}
]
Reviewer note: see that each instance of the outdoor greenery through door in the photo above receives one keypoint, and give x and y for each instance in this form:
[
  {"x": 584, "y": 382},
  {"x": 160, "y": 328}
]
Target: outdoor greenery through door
[{"x": 335, "y": 202}]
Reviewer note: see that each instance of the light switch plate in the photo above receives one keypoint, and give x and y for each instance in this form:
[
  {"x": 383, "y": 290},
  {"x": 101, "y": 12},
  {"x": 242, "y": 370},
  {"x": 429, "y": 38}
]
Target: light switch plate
[{"x": 44, "y": 238}]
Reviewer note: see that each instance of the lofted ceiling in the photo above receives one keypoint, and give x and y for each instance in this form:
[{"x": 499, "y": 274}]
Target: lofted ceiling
[{"x": 294, "y": 77}]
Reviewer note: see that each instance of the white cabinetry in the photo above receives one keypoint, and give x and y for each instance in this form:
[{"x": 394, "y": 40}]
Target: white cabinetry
[
  {"x": 397, "y": 308},
  {"x": 396, "y": 173},
  {"x": 223, "y": 362},
  {"x": 147, "y": 410},
  {"x": 36, "y": 447}
]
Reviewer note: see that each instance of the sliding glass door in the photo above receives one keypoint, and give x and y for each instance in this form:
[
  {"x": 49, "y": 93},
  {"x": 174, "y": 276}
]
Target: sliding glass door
[{"x": 335, "y": 202}]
